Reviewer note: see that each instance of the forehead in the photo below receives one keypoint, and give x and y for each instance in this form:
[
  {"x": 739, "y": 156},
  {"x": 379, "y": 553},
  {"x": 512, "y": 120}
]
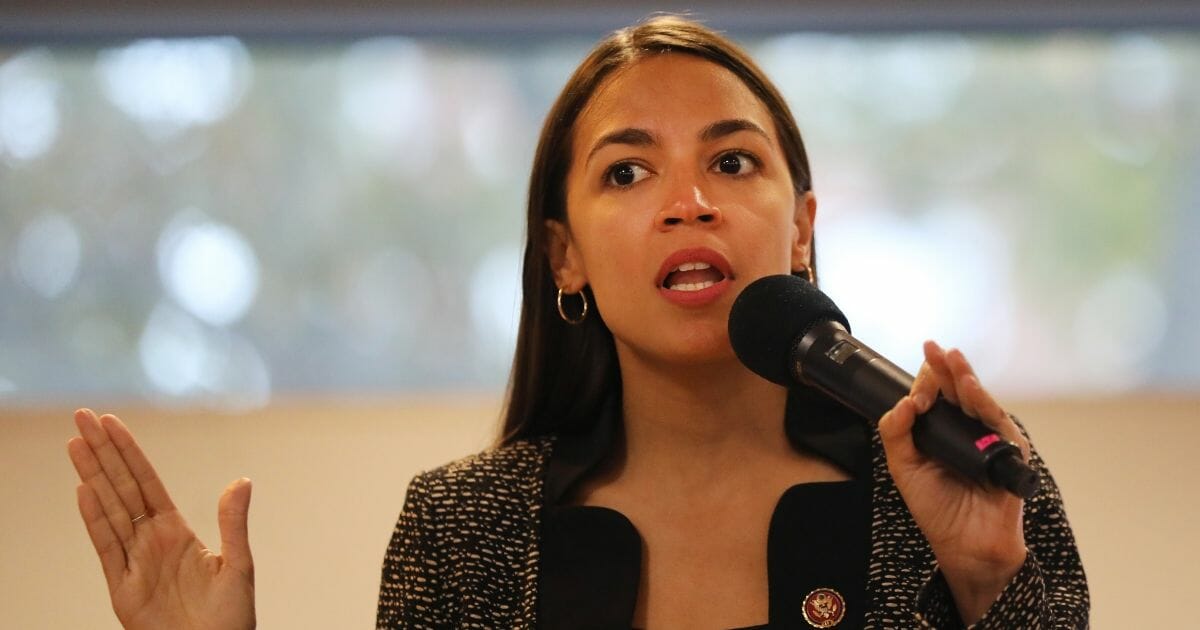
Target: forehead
[{"x": 668, "y": 93}]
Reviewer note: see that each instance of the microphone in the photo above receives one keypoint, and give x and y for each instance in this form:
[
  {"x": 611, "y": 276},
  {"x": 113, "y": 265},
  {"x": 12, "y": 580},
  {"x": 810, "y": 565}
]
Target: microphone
[{"x": 787, "y": 331}]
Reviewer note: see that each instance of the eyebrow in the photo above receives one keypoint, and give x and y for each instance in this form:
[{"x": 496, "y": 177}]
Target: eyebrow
[
  {"x": 723, "y": 128},
  {"x": 642, "y": 138},
  {"x": 629, "y": 135}
]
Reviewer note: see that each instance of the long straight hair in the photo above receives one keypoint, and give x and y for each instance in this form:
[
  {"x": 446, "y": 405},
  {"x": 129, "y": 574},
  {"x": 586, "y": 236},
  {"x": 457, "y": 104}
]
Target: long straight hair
[{"x": 561, "y": 372}]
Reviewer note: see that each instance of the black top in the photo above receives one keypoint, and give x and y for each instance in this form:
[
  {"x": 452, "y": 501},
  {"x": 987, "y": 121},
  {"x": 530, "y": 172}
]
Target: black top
[{"x": 819, "y": 536}]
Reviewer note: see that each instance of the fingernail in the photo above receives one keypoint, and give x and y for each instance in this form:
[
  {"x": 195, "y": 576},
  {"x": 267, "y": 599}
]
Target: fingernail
[{"x": 921, "y": 401}]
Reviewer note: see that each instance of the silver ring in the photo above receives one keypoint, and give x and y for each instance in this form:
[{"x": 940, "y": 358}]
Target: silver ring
[{"x": 138, "y": 518}]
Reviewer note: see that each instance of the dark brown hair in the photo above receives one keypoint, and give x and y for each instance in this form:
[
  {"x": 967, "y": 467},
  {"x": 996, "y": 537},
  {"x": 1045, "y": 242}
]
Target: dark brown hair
[{"x": 562, "y": 373}]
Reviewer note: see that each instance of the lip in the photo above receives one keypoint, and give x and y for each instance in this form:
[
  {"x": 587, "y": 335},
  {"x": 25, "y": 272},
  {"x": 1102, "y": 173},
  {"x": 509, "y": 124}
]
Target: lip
[{"x": 703, "y": 296}]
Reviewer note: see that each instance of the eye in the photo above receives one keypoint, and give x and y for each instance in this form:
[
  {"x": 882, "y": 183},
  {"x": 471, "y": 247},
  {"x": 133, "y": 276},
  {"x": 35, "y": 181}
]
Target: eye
[
  {"x": 625, "y": 174},
  {"x": 736, "y": 163}
]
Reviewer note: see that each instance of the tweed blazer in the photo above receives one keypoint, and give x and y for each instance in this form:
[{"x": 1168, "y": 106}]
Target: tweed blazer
[{"x": 465, "y": 552}]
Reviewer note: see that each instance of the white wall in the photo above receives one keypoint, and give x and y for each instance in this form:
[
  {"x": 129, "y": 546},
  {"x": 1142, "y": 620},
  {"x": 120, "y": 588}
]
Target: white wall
[{"x": 330, "y": 476}]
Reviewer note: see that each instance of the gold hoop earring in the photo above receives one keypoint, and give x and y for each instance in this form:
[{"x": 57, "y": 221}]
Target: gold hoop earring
[
  {"x": 808, "y": 275},
  {"x": 563, "y": 314}
]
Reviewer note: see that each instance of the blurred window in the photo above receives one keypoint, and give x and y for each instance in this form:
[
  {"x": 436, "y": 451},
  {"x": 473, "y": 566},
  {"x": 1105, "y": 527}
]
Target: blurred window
[{"x": 221, "y": 221}]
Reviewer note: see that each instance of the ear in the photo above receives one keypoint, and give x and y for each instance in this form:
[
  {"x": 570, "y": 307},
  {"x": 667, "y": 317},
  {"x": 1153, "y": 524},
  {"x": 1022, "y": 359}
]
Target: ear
[
  {"x": 805, "y": 215},
  {"x": 565, "y": 260}
]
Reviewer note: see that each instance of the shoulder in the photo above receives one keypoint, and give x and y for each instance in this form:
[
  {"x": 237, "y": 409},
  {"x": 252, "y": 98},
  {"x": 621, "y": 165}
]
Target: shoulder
[
  {"x": 513, "y": 471},
  {"x": 468, "y": 523}
]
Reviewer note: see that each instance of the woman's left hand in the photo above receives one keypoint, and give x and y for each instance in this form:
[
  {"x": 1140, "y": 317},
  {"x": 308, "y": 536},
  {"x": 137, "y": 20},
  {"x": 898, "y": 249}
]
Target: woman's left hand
[{"x": 975, "y": 532}]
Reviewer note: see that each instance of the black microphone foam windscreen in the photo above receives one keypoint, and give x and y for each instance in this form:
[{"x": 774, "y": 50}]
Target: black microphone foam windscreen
[{"x": 770, "y": 315}]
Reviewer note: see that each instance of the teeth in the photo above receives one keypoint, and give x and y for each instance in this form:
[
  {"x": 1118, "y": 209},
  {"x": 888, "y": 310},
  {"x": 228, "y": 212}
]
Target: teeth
[
  {"x": 692, "y": 266},
  {"x": 691, "y": 286}
]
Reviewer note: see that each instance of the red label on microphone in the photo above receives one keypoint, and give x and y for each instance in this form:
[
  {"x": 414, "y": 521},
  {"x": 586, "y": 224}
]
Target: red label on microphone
[{"x": 986, "y": 441}]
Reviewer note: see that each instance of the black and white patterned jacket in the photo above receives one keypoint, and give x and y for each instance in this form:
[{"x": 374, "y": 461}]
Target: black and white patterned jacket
[{"x": 465, "y": 552}]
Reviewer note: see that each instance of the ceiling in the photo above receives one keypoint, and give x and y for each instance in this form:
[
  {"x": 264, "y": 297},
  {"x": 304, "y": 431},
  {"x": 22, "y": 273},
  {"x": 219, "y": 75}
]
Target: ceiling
[{"x": 82, "y": 19}]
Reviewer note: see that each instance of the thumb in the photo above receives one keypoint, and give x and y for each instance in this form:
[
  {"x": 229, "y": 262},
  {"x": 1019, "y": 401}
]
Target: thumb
[
  {"x": 232, "y": 512},
  {"x": 895, "y": 431}
]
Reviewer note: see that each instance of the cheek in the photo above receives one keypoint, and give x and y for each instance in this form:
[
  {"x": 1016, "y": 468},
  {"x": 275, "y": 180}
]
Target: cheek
[
  {"x": 763, "y": 220},
  {"x": 603, "y": 227},
  {"x": 613, "y": 250}
]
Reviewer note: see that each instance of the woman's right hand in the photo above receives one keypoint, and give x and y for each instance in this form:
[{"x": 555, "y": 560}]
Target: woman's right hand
[{"x": 159, "y": 574}]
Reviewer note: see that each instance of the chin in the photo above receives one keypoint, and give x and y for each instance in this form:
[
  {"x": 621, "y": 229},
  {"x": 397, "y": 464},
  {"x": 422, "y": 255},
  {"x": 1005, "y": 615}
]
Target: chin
[{"x": 686, "y": 348}]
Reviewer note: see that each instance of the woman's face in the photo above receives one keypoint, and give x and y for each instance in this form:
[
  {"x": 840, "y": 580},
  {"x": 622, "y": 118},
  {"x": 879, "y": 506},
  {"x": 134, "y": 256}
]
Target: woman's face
[{"x": 678, "y": 196}]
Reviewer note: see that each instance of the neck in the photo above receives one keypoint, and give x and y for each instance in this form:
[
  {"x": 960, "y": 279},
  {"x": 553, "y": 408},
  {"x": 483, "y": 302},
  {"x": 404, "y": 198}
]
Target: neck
[{"x": 694, "y": 425}]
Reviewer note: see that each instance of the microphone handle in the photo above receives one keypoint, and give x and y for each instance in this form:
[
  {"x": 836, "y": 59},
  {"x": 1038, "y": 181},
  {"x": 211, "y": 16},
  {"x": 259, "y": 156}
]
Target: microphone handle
[{"x": 828, "y": 358}]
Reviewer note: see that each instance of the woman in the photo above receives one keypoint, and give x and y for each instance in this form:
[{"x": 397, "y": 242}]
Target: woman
[{"x": 645, "y": 477}]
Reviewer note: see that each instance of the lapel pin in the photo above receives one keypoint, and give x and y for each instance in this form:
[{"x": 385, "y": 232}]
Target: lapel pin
[{"x": 824, "y": 608}]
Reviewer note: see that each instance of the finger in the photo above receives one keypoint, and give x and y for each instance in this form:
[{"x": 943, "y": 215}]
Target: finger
[
  {"x": 233, "y": 511},
  {"x": 895, "y": 431},
  {"x": 979, "y": 403},
  {"x": 993, "y": 415},
  {"x": 104, "y": 540},
  {"x": 935, "y": 357},
  {"x": 92, "y": 474},
  {"x": 985, "y": 407},
  {"x": 110, "y": 459},
  {"x": 152, "y": 489},
  {"x": 964, "y": 374},
  {"x": 924, "y": 389}
]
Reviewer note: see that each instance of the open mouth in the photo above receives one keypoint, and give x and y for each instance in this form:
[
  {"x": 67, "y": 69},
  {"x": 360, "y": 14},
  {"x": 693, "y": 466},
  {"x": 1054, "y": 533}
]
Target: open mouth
[
  {"x": 692, "y": 276},
  {"x": 692, "y": 270}
]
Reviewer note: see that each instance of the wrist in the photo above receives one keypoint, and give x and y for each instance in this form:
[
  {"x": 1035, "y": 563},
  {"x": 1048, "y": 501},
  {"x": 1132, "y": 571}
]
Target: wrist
[{"x": 977, "y": 583}]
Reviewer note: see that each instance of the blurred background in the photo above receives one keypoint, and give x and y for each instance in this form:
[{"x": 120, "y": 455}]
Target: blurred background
[{"x": 284, "y": 241}]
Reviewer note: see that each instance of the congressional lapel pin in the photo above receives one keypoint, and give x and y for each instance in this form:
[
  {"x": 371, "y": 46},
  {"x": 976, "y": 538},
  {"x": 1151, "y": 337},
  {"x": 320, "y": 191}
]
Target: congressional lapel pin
[{"x": 824, "y": 608}]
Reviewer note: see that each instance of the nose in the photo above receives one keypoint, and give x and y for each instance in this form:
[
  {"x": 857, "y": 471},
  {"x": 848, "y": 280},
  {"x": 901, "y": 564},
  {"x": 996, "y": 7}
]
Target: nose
[{"x": 686, "y": 207}]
